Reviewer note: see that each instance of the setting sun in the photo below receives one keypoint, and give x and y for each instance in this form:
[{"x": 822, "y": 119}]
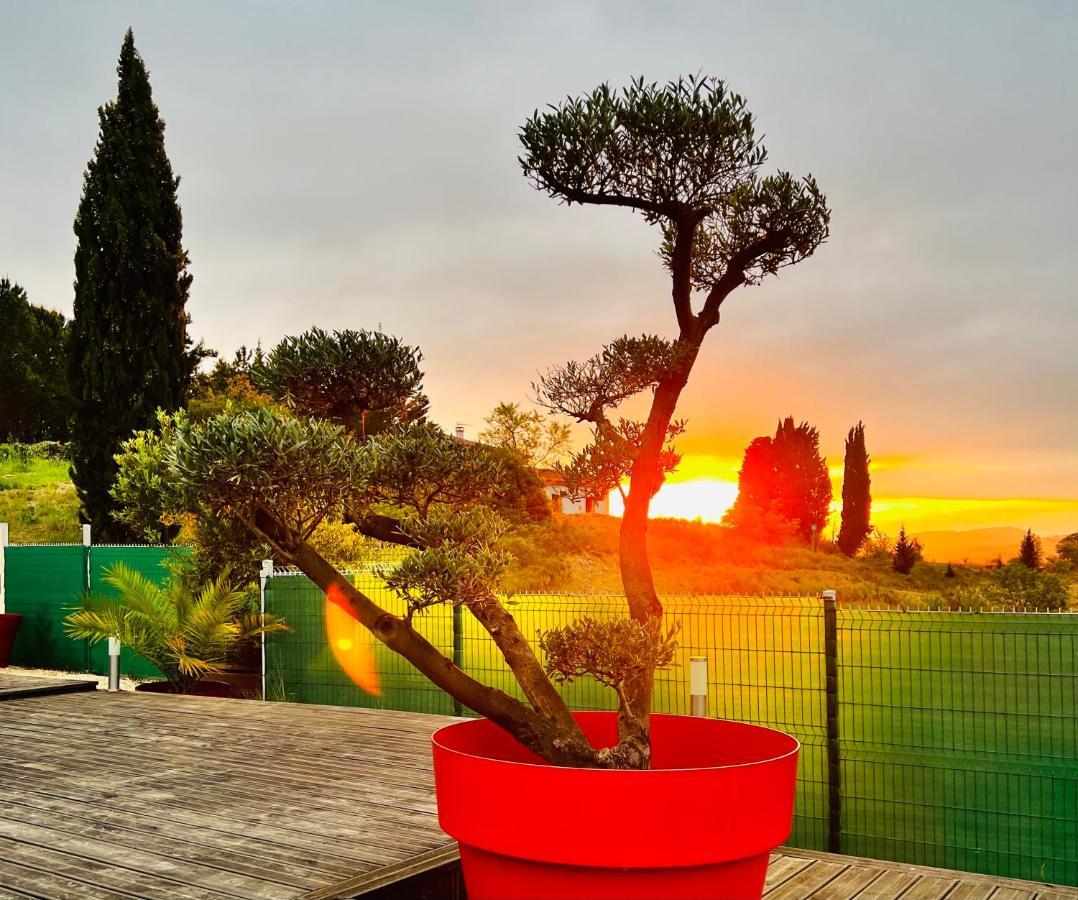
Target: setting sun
[{"x": 701, "y": 498}]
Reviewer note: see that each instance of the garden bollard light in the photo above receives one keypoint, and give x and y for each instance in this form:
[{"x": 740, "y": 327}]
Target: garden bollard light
[
  {"x": 698, "y": 686},
  {"x": 114, "y": 664}
]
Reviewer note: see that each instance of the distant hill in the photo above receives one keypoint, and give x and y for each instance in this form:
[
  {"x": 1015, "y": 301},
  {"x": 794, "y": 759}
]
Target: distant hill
[{"x": 979, "y": 545}]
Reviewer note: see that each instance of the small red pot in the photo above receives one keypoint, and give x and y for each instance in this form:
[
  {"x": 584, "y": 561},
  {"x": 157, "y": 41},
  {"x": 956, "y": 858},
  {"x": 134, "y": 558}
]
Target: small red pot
[
  {"x": 204, "y": 688},
  {"x": 700, "y": 823},
  {"x": 9, "y": 627}
]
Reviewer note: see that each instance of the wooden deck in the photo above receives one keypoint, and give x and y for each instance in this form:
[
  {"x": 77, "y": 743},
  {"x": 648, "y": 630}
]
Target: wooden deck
[
  {"x": 794, "y": 874},
  {"x": 14, "y": 686},
  {"x": 138, "y": 795}
]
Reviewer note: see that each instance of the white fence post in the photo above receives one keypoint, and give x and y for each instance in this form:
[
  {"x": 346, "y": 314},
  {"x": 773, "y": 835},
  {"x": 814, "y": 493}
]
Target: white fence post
[
  {"x": 3, "y": 566},
  {"x": 263, "y": 576}
]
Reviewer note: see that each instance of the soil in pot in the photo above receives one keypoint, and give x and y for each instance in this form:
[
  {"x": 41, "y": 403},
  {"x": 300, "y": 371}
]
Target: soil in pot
[
  {"x": 699, "y": 824},
  {"x": 9, "y": 627},
  {"x": 203, "y": 688}
]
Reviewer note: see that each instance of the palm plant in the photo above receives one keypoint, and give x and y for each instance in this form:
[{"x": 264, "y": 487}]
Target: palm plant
[{"x": 187, "y": 633}]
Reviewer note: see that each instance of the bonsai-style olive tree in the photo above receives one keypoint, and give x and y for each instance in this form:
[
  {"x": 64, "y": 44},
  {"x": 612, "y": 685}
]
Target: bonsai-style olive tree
[{"x": 686, "y": 157}]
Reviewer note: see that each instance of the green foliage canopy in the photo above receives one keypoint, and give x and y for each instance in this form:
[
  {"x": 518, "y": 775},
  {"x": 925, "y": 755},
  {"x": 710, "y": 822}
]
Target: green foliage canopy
[
  {"x": 366, "y": 381},
  {"x": 784, "y": 477},
  {"x": 524, "y": 432},
  {"x": 35, "y": 402}
]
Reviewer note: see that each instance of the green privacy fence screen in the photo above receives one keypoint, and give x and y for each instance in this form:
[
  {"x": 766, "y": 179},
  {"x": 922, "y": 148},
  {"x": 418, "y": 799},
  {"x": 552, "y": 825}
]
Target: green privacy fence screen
[
  {"x": 43, "y": 581},
  {"x": 953, "y": 739}
]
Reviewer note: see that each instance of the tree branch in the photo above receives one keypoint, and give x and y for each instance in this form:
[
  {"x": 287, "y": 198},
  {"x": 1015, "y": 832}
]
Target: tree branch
[
  {"x": 576, "y": 195},
  {"x": 521, "y": 658},
  {"x": 543, "y": 734},
  {"x": 681, "y": 272},
  {"x": 381, "y": 528},
  {"x": 734, "y": 275}
]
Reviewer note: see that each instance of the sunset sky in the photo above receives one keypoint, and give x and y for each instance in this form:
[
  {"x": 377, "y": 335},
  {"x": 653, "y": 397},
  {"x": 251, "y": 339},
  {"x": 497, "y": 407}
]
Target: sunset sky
[{"x": 354, "y": 165}]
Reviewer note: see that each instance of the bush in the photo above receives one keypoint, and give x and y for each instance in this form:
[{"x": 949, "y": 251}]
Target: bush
[
  {"x": 22, "y": 455},
  {"x": 1027, "y": 589},
  {"x": 1012, "y": 587}
]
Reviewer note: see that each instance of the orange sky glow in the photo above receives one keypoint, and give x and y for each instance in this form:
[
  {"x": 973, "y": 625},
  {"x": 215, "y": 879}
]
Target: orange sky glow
[{"x": 704, "y": 487}]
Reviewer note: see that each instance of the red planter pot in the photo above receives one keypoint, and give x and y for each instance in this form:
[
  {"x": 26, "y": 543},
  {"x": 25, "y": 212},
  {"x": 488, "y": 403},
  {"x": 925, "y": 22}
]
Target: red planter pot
[
  {"x": 9, "y": 627},
  {"x": 699, "y": 824},
  {"x": 204, "y": 688}
]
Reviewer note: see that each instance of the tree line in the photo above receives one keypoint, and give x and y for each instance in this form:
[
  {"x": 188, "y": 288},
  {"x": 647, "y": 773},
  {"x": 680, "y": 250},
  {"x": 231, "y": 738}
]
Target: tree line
[{"x": 784, "y": 488}]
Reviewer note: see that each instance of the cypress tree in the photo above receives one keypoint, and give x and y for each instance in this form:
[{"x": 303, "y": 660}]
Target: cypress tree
[
  {"x": 907, "y": 553},
  {"x": 856, "y": 493},
  {"x": 130, "y": 353},
  {"x": 1029, "y": 552},
  {"x": 783, "y": 479}
]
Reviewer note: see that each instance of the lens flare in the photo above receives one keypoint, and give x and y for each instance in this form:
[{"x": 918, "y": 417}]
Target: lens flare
[{"x": 350, "y": 643}]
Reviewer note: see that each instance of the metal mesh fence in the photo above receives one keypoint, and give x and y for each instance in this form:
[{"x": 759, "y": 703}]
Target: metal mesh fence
[
  {"x": 955, "y": 741},
  {"x": 959, "y": 740},
  {"x": 764, "y": 667}
]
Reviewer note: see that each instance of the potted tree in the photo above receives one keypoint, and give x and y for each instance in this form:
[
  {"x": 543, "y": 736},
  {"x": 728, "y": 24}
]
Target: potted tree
[
  {"x": 544, "y": 802},
  {"x": 186, "y": 633}
]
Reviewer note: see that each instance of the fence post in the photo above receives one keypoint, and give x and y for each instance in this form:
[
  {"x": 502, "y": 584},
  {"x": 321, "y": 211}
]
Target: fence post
[
  {"x": 3, "y": 567},
  {"x": 834, "y": 764},
  {"x": 87, "y": 541},
  {"x": 264, "y": 574},
  {"x": 458, "y": 650},
  {"x": 698, "y": 686}
]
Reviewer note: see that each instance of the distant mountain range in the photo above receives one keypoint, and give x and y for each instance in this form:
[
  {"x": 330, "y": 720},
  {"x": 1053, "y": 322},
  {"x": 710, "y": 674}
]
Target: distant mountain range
[{"x": 979, "y": 545}]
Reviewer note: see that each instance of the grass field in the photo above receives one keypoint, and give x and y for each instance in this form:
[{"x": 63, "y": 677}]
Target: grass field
[{"x": 38, "y": 501}]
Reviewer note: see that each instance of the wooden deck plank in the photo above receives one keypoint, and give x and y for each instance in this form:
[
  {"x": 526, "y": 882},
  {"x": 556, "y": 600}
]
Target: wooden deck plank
[
  {"x": 341, "y": 857},
  {"x": 807, "y": 881},
  {"x": 971, "y": 890},
  {"x": 200, "y": 875},
  {"x": 163, "y": 821},
  {"x": 929, "y": 887},
  {"x": 15, "y": 687},
  {"x": 888, "y": 886},
  {"x": 1009, "y": 893},
  {"x": 169, "y": 847},
  {"x": 855, "y": 879},
  {"x": 36, "y": 883},
  {"x": 782, "y": 868},
  {"x": 98, "y": 876}
]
